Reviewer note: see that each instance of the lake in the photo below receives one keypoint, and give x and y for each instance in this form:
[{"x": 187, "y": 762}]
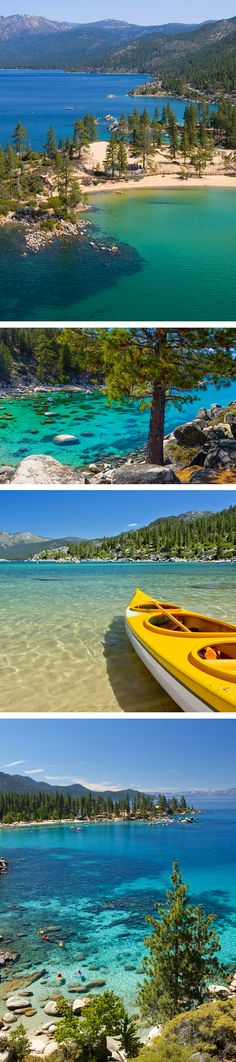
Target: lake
[
  {"x": 40, "y": 98},
  {"x": 98, "y": 884},
  {"x": 29, "y": 425},
  {"x": 175, "y": 262},
  {"x": 176, "y": 257},
  {"x": 63, "y": 641}
]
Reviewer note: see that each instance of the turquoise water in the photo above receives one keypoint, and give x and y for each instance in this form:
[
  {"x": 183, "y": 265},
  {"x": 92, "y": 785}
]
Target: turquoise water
[
  {"x": 63, "y": 641},
  {"x": 97, "y": 885},
  {"x": 41, "y": 98},
  {"x": 29, "y": 425},
  {"x": 176, "y": 262}
]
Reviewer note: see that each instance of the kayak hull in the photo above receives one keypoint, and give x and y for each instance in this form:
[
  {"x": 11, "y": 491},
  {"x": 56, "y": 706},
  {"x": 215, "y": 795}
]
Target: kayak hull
[
  {"x": 191, "y": 655},
  {"x": 178, "y": 692}
]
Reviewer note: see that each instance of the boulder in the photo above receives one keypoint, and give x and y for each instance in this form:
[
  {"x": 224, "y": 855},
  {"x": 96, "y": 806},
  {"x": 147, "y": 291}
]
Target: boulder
[
  {"x": 222, "y": 456},
  {"x": 218, "y": 990},
  {"x": 4, "y": 1055},
  {"x": 217, "y": 432},
  {"x": 215, "y": 409},
  {"x": 50, "y": 1049},
  {"x": 203, "y": 475},
  {"x": 203, "y": 414},
  {"x": 6, "y": 473},
  {"x": 143, "y": 473},
  {"x": 9, "y": 1019},
  {"x": 63, "y": 440},
  {"x": 79, "y": 1005},
  {"x": 38, "y": 1044},
  {"x": 51, "y": 1008},
  {"x": 189, "y": 434},
  {"x": 17, "y": 1003},
  {"x": 39, "y": 468},
  {"x": 7, "y": 956},
  {"x": 230, "y": 418}
]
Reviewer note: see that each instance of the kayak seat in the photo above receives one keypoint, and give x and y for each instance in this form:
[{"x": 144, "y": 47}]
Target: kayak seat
[{"x": 223, "y": 666}]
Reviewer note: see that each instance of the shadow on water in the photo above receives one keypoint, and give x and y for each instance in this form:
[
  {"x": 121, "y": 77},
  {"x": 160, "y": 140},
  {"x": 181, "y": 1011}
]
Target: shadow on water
[
  {"x": 60, "y": 276},
  {"x": 134, "y": 688}
]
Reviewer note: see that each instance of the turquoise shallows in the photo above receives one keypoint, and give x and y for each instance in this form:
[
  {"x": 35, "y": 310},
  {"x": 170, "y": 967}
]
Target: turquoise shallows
[
  {"x": 102, "y": 430},
  {"x": 176, "y": 262},
  {"x": 97, "y": 885},
  {"x": 63, "y": 641}
]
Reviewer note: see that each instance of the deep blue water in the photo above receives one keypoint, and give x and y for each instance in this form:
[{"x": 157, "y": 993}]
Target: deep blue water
[
  {"x": 98, "y": 884},
  {"x": 42, "y": 98}
]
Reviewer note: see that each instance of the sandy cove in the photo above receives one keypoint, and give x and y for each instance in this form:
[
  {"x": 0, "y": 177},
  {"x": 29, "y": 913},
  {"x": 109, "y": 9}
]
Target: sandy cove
[{"x": 167, "y": 176}]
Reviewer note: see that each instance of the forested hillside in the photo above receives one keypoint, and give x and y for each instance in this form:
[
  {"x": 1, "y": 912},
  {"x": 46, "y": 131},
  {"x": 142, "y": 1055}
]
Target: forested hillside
[
  {"x": 203, "y": 55},
  {"x": 191, "y": 536}
]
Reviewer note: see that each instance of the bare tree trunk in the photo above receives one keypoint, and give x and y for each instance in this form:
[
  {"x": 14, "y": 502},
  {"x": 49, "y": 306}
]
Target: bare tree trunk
[{"x": 155, "y": 455}]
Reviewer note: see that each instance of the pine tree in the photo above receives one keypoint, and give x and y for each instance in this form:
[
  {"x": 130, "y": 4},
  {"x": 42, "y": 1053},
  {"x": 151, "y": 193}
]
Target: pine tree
[{"x": 182, "y": 954}]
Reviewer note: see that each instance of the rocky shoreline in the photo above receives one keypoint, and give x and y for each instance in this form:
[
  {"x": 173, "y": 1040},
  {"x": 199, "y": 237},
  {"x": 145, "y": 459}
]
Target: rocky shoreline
[
  {"x": 195, "y": 452},
  {"x": 37, "y": 235}
]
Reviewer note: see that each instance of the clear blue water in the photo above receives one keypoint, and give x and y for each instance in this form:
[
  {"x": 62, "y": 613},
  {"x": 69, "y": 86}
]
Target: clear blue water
[
  {"x": 101, "y": 430},
  {"x": 98, "y": 884},
  {"x": 176, "y": 262},
  {"x": 63, "y": 640},
  {"x": 42, "y": 98}
]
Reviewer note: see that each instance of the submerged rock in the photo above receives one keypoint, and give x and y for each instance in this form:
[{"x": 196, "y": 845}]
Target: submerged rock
[
  {"x": 17, "y": 1003},
  {"x": 62, "y": 440}
]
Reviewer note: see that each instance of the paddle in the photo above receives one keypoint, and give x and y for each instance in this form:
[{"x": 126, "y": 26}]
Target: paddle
[{"x": 173, "y": 618}]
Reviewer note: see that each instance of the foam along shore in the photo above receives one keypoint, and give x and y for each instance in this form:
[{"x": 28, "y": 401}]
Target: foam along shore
[
  {"x": 199, "y": 451},
  {"x": 163, "y": 172}
]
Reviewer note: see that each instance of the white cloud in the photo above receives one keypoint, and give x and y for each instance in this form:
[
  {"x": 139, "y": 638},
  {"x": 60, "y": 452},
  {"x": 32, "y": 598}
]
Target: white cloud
[
  {"x": 132, "y": 525},
  {"x": 34, "y": 770},
  {"x": 15, "y": 763}
]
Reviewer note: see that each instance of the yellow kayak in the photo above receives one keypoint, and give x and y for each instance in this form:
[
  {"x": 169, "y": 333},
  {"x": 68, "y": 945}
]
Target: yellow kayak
[{"x": 192, "y": 656}]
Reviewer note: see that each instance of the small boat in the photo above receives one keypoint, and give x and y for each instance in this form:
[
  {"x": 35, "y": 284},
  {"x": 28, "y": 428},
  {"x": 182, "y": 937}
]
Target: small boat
[{"x": 192, "y": 656}]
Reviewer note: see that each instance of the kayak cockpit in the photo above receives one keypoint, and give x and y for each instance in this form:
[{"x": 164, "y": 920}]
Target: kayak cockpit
[
  {"x": 185, "y": 623},
  {"x": 218, "y": 660}
]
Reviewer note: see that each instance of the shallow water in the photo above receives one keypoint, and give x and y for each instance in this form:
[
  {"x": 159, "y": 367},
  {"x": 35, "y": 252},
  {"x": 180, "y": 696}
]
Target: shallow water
[
  {"x": 63, "y": 640},
  {"x": 29, "y": 425},
  {"x": 176, "y": 262},
  {"x": 98, "y": 884}
]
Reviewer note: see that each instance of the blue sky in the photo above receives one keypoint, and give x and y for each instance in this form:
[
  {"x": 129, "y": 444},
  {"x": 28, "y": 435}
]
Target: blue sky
[
  {"x": 148, "y": 754},
  {"x": 89, "y": 514},
  {"x": 134, "y": 11}
]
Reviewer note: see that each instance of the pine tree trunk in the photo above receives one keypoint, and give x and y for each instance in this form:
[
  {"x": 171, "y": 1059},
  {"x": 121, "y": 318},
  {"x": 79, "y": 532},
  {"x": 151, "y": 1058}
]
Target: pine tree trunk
[{"x": 155, "y": 455}]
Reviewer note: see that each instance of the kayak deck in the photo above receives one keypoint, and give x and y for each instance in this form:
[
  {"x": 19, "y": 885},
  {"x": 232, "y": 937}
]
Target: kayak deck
[{"x": 198, "y": 651}]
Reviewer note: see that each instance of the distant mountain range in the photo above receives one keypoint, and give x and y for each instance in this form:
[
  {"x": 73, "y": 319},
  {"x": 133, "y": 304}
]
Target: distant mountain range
[
  {"x": 174, "y": 49},
  {"x": 200, "y": 798},
  {"x": 22, "y": 545}
]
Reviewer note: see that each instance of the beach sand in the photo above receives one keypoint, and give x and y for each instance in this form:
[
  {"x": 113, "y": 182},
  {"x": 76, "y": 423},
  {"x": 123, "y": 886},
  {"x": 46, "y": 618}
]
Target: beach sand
[{"x": 163, "y": 172}]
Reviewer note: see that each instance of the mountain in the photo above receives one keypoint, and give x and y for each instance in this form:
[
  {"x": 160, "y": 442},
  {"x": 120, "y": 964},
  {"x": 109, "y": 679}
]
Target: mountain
[
  {"x": 200, "y": 798},
  {"x": 203, "y": 56},
  {"x": 220, "y": 526},
  {"x": 27, "y": 25},
  {"x": 18, "y": 783},
  {"x": 23, "y": 545},
  {"x": 36, "y": 43}
]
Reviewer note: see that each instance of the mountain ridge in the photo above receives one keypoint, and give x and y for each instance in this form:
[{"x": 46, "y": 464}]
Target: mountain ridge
[{"x": 13, "y": 783}]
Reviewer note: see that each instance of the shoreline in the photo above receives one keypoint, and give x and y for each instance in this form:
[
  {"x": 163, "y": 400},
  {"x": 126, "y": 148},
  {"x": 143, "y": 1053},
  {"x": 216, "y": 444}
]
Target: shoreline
[
  {"x": 162, "y": 181},
  {"x": 98, "y": 821}
]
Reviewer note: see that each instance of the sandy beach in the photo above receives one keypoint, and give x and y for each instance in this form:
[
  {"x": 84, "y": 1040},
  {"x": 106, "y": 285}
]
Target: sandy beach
[{"x": 163, "y": 173}]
